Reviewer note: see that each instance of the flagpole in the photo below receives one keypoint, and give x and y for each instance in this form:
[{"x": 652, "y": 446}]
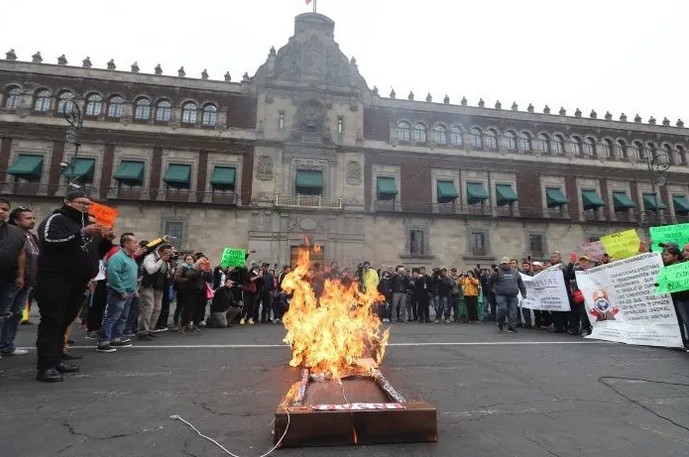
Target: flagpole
[{"x": 315, "y": 2}]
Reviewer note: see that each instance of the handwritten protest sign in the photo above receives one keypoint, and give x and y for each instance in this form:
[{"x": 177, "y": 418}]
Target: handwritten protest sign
[
  {"x": 622, "y": 305},
  {"x": 594, "y": 250},
  {"x": 232, "y": 257},
  {"x": 104, "y": 215},
  {"x": 621, "y": 245},
  {"x": 674, "y": 278},
  {"x": 678, "y": 233}
]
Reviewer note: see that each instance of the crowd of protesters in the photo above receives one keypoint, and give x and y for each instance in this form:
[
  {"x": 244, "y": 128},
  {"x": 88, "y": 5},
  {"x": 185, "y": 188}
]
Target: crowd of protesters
[{"x": 125, "y": 291}]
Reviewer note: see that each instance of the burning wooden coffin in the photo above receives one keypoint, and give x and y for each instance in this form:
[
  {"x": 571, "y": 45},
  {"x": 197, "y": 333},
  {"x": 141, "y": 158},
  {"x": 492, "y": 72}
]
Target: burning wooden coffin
[{"x": 358, "y": 409}]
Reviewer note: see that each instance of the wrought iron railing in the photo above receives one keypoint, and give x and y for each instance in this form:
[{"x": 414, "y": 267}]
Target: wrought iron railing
[{"x": 307, "y": 201}]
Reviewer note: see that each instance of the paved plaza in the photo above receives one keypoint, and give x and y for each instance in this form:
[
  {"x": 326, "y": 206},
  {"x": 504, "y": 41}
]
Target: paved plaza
[{"x": 531, "y": 394}]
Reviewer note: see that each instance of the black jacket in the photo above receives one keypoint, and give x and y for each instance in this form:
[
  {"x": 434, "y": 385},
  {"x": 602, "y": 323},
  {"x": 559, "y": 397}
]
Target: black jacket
[
  {"x": 223, "y": 299},
  {"x": 400, "y": 282},
  {"x": 65, "y": 248}
]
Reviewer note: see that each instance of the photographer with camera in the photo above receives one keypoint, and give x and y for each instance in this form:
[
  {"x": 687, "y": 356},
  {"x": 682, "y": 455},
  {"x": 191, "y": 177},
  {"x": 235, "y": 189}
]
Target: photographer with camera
[
  {"x": 443, "y": 286},
  {"x": 422, "y": 294},
  {"x": 400, "y": 283}
]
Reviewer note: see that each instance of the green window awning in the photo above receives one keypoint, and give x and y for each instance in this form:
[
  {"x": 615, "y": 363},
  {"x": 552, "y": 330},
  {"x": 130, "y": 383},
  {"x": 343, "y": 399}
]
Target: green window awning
[
  {"x": 386, "y": 189},
  {"x": 446, "y": 191},
  {"x": 621, "y": 201},
  {"x": 26, "y": 166},
  {"x": 178, "y": 175},
  {"x": 130, "y": 172},
  {"x": 652, "y": 202},
  {"x": 223, "y": 177},
  {"x": 681, "y": 204},
  {"x": 555, "y": 197},
  {"x": 591, "y": 200},
  {"x": 476, "y": 193},
  {"x": 504, "y": 194},
  {"x": 82, "y": 170}
]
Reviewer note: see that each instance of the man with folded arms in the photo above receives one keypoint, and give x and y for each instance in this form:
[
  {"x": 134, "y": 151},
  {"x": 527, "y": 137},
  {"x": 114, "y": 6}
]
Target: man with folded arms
[{"x": 122, "y": 272}]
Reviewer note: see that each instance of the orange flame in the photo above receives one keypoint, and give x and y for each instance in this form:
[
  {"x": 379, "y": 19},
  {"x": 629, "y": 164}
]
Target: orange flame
[{"x": 331, "y": 334}]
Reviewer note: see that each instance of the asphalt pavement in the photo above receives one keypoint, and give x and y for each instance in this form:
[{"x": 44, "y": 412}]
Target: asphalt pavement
[{"x": 530, "y": 394}]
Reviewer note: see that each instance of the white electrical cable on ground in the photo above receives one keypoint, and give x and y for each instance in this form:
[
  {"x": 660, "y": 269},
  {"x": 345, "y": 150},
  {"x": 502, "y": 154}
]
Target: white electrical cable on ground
[{"x": 208, "y": 438}]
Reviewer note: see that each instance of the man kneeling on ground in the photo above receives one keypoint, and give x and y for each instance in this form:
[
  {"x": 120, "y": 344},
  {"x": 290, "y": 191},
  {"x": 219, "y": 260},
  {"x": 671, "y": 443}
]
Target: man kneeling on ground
[{"x": 224, "y": 308}]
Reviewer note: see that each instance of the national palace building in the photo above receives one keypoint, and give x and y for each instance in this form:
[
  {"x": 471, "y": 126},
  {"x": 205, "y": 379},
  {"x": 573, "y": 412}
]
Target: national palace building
[{"x": 304, "y": 149}]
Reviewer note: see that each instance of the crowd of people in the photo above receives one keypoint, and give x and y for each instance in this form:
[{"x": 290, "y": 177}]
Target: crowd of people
[{"x": 120, "y": 292}]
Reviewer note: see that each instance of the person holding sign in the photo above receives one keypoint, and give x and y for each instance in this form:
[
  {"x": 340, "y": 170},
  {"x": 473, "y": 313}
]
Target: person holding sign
[{"x": 672, "y": 256}]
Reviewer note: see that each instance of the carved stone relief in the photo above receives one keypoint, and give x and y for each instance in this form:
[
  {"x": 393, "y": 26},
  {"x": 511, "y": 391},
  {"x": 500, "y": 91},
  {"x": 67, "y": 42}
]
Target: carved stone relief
[
  {"x": 310, "y": 164},
  {"x": 264, "y": 168},
  {"x": 261, "y": 222},
  {"x": 353, "y": 173}
]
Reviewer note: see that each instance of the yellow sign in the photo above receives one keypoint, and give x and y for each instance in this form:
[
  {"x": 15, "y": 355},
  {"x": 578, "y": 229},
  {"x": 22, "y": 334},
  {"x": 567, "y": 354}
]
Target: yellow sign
[{"x": 622, "y": 244}]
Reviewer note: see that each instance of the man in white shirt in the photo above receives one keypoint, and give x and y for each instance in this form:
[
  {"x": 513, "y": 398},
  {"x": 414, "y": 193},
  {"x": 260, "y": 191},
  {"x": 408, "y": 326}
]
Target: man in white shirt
[{"x": 153, "y": 285}]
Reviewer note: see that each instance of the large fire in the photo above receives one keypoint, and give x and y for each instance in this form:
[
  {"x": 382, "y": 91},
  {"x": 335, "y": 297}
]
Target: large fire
[{"x": 332, "y": 334}]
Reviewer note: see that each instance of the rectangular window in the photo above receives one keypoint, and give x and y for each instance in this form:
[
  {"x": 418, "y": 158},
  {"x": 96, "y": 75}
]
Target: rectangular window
[
  {"x": 281, "y": 120},
  {"x": 416, "y": 242},
  {"x": 176, "y": 230},
  {"x": 340, "y": 125},
  {"x": 478, "y": 244},
  {"x": 536, "y": 244}
]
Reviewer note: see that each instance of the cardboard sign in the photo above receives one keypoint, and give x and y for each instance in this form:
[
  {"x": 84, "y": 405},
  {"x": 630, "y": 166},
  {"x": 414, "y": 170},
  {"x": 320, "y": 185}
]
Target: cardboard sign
[
  {"x": 674, "y": 278},
  {"x": 594, "y": 250},
  {"x": 232, "y": 257},
  {"x": 621, "y": 245},
  {"x": 104, "y": 215},
  {"x": 678, "y": 233}
]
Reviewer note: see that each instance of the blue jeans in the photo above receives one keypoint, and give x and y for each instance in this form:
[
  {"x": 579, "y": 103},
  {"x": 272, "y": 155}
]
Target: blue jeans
[
  {"x": 507, "y": 305},
  {"x": 7, "y": 292},
  {"x": 442, "y": 307},
  {"x": 116, "y": 313},
  {"x": 8, "y": 328}
]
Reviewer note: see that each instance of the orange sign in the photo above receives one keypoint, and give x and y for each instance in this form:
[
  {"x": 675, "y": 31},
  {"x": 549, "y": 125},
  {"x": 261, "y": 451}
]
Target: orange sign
[{"x": 104, "y": 215}]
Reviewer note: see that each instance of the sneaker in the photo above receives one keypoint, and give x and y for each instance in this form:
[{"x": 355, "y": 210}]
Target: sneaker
[
  {"x": 500, "y": 327},
  {"x": 386, "y": 320},
  {"x": 241, "y": 321},
  {"x": 158, "y": 330},
  {"x": 251, "y": 322},
  {"x": 126, "y": 340},
  {"x": 203, "y": 324},
  {"x": 436, "y": 321},
  {"x": 121, "y": 344},
  {"x": 447, "y": 321},
  {"x": 16, "y": 352},
  {"x": 105, "y": 348},
  {"x": 512, "y": 330}
]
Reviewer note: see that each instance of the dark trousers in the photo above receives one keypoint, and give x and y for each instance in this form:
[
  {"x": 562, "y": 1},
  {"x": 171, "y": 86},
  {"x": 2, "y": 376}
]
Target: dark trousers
[
  {"x": 422, "y": 304},
  {"x": 164, "y": 310},
  {"x": 200, "y": 307},
  {"x": 472, "y": 307},
  {"x": 560, "y": 320},
  {"x": 279, "y": 307},
  {"x": 186, "y": 301},
  {"x": 266, "y": 305},
  {"x": 59, "y": 298},
  {"x": 454, "y": 304},
  {"x": 250, "y": 302},
  {"x": 99, "y": 298},
  {"x": 578, "y": 316}
]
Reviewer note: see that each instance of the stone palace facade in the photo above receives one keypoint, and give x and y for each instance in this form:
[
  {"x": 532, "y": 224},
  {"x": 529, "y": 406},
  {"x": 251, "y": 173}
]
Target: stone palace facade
[{"x": 305, "y": 150}]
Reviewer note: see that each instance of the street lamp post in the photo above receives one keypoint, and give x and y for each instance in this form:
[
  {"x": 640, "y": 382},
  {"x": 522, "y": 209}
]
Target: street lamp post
[
  {"x": 73, "y": 116},
  {"x": 657, "y": 165}
]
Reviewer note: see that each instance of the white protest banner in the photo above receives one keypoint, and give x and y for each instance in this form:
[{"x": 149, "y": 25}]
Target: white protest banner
[
  {"x": 622, "y": 304},
  {"x": 546, "y": 291}
]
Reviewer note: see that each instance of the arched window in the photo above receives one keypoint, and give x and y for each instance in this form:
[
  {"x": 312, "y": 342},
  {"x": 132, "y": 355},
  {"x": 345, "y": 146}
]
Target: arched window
[
  {"x": 62, "y": 100},
  {"x": 163, "y": 111},
  {"x": 455, "y": 136},
  {"x": 189, "y": 113},
  {"x": 419, "y": 133},
  {"x": 142, "y": 110},
  {"x": 476, "y": 138},
  {"x": 576, "y": 146},
  {"x": 210, "y": 114},
  {"x": 524, "y": 142},
  {"x": 681, "y": 155},
  {"x": 440, "y": 135},
  {"x": 403, "y": 132},
  {"x": 115, "y": 107},
  {"x": 621, "y": 149},
  {"x": 543, "y": 143},
  {"x": 491, "y": 139},
  {"x": 511, "y": 138},
  {"x": 607, "y": 149},
  {"x": 589, "y": 147},
  {"x": 42, "y": 102},
  {"x": 94, "y": 105},
  {"x": 639, "y": 150},
  {"x": 14, "y": 98},
  {"x": 558, "y": 145},
  {"x": 671, "y": 155},
  {"x": 652, "y": 151}
]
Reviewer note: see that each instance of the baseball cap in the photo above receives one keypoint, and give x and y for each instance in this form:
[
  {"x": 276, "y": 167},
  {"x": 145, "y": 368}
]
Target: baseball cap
[
  {"x": 504, "y": 260},
  {"x": 584, "y": 257}
]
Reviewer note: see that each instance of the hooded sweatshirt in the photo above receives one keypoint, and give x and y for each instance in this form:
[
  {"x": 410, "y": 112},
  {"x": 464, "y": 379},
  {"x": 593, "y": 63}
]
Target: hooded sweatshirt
[
  {"x": 65, "y": 248},
  {"x": 507, "y": 282}
]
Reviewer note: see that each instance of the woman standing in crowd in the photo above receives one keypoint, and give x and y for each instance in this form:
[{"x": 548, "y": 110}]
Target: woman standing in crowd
[
  {"x": 185, "y": 280},
  {"x": 470, "y": 285}
]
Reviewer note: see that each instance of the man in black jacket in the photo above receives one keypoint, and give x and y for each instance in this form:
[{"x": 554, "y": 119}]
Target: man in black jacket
[
  {"x": 224, "y": 308},
  {"x": 71, "y": 247}
]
